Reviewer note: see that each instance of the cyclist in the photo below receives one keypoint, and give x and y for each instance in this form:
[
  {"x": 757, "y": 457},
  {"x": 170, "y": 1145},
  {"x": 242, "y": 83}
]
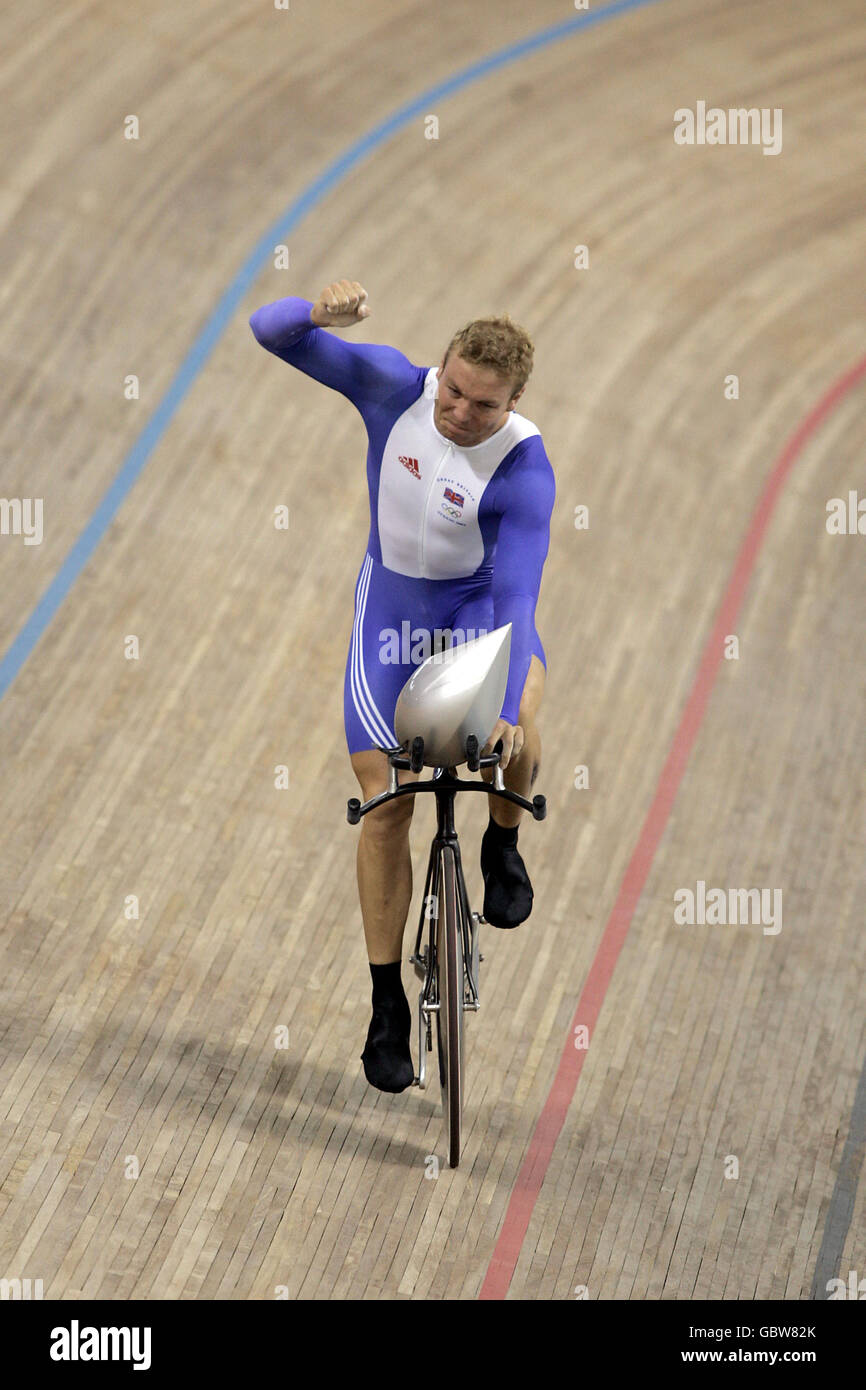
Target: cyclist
[{"x": 461, "y": 493}]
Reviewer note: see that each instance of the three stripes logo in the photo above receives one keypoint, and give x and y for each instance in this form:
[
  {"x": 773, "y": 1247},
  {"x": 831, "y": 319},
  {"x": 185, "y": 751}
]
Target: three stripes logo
[{"x": 411, "y": 464}]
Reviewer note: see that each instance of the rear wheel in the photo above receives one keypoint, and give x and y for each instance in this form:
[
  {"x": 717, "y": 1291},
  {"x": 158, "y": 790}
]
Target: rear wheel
[{"x": 449, "y": 1017}]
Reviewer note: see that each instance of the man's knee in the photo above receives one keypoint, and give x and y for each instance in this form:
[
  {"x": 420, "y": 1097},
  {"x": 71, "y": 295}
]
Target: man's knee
[
  {"x": 393, "y": 817},
  {"x": 391, "y": 820},
  {"x": 530, "y": 751},
  {"x": 530, "y": 755}
]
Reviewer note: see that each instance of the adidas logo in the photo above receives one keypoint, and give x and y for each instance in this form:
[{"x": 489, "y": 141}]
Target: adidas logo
[{"x": 411, "y": 464}]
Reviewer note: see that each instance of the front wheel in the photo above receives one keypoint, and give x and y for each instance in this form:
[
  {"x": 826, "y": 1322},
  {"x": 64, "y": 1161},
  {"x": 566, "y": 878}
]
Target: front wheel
[{"x": 449, "y": 1017}]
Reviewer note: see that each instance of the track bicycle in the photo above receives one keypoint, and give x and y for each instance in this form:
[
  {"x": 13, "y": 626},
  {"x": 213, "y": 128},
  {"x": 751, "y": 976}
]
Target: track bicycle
[{"x": 448, "y": 963}]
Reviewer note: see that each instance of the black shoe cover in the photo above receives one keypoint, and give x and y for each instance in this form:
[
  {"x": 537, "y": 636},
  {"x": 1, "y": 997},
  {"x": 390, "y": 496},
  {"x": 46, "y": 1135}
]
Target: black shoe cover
[
  {"x": 387, "y": 1056},
  {"x": 507, "y": 890}
]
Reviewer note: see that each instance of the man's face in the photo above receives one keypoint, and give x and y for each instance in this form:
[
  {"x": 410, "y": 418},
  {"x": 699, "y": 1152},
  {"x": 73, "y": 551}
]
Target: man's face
[{"x": 472, "y": 403}]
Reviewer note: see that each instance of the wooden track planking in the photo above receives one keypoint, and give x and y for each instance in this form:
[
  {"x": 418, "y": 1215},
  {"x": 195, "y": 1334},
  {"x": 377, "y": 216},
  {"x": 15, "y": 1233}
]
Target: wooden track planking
[{"x": 262, "y": 1168}]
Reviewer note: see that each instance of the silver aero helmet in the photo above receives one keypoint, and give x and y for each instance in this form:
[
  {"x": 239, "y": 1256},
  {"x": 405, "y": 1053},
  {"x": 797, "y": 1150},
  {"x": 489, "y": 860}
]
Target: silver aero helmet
[{"x": 455, "y": 693}]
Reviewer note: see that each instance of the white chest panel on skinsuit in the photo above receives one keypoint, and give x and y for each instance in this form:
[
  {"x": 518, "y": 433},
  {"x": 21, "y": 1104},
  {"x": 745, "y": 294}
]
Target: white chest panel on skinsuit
[{"x": 430, "y": 490}]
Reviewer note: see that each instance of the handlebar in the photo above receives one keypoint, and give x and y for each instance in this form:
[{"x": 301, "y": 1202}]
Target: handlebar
[{"x": 444, "y": 778}]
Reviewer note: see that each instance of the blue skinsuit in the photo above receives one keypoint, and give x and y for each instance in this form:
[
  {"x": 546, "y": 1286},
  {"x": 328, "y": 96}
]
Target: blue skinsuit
[{"x": 458, "y": 535}]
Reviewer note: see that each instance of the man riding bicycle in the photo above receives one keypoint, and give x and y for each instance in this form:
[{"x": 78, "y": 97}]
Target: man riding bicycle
[{"x": 461, "y": 494}]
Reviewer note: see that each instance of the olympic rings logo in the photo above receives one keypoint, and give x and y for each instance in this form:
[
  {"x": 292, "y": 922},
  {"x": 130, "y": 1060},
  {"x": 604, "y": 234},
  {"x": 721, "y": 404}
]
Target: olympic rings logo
[{"x": 451, "y": 511}]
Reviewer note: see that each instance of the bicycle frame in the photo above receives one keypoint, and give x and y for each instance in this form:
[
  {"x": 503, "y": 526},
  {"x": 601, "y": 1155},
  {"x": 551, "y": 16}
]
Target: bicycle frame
[{"x": 444, "y": 785}]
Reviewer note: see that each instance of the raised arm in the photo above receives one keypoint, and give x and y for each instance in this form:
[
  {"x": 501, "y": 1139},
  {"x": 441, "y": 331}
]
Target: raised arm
[
  {"x": 522, "y": 543},
  {"x": 292, "y": 329}
]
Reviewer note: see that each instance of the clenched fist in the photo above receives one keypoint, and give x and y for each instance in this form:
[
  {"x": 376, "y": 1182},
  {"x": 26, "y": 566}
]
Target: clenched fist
[{"x": 340, "y": 303}]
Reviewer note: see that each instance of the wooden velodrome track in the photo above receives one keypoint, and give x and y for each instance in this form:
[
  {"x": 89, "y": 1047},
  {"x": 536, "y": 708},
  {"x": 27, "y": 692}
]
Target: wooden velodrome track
[{"x": 147, "y": 1044}]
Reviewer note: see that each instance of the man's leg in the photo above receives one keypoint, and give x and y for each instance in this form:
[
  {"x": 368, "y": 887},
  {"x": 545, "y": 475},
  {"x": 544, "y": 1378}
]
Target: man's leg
[
  {"x": 521, "y": 772},
  {"x": 384, "y": 861},
  {"x": 384, "y": 867},
  {"x": 508, "y": 892}
]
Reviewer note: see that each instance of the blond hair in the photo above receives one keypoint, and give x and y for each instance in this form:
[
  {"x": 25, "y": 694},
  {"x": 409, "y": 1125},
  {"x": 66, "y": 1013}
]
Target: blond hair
[{"x": 498, "y": 343}]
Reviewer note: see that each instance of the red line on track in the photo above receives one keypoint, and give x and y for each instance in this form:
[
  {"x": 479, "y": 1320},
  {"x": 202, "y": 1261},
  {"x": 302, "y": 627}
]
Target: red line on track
[{"x": 534, "y": 1167}]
